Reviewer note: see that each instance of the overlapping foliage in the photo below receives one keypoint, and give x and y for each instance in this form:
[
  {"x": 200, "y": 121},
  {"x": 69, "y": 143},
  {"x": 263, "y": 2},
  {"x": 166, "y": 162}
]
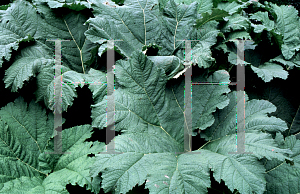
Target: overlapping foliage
[{"x": 149, "y": 96}]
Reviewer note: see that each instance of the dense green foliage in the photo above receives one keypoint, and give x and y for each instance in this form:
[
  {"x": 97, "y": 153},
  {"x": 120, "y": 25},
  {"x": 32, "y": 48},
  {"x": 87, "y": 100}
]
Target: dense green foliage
[
  {"x": 294, "y": 3},
  {"x": 149, "y": 97}
]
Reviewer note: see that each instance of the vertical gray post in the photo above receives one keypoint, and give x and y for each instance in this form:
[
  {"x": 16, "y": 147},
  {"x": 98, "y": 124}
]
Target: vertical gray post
[
  {"x": 58, "y": 101},
  {"x": 188, "y": 98},
  {"x": 110, "y": 133},
  {"x": 240, "y": 75},
  {"x": 240, "y": 99},
  {"x": 110, "y": 109},
  {"x": 110, "y": 130}
]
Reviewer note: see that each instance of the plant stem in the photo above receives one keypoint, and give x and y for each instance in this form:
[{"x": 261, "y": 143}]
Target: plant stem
[{"x": 230, "y": 68}]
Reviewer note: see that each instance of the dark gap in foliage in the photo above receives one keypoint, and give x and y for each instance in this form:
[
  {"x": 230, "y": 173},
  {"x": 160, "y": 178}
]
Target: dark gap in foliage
[
  {"x": 4, "y": 2},
  {"x": 152, "y": 51},
  {"x": 91, "y": 155},
  {"x": 97, "y": 135},
  {"x": 139, "y": 189},
  {"x": 101, "y": 62},
  {"x": 232, "y": 87},
  {"x": 221, "y": 59},
  {"x": 74, "y": 189},
  {"x": 218, "y": 188},
  {"x": 196, "y": 71},
  {"x": 197, "y": 141},
  {"x": 266, "y": 48},
  {"x": 27, "y": 91},
  {"x": 79, "y": 113},
  {"x": 100, "y": 135},
  {"x": 232, "y": 73}
]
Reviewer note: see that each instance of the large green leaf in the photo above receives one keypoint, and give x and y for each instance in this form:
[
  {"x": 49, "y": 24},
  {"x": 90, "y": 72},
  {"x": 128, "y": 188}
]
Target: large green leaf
[
  {"x": 76, "y": 5},
  {"x": 151, "y": 128},
  {"x": 140, "y": 106},
  {"x": 242, "y": 171},
  {"x": 24, "y": 134},
  {"x": 136, "y": 161},
  {"x": 149, "y": 156},
  {"x": 73, "y": 167},
  {"x": 255, "y": 118},
  {"x": 166, "y": 28},
  {"x": 26, "y": 168},
  {"x": 294, "y": 61},
  {"x": 268, "y": 25},
  {"x": 281, "y": 95},
  {"x": 135, "y": 23},
  {"x": 45, "y": 86},
  {"x": 287, "y": 23},
  {"x": 67, "y": 26},
  {"x": 236, "y": 22},
  {"x": 203, "y": 5},
  {"x": 269, "y": 70},
  {"x": 31, "y": 135},
  {"x": 28, "y": 63},
  {"x": 178, "y": 25},
  {"x": 170, "y": 64},
  {"x": 177, "y": 21},
  {"x": 232, "y": 7},
  {"x": 217, "y": 14},
  {"x": 185, "y": 173},
  {"x": 18, "y": 23},
  {"x": 284, "y": 177},
  {"x": 263, "y": 17},
  {"x": 142, "y": 160},
  {"x": 47, "y": 25}
]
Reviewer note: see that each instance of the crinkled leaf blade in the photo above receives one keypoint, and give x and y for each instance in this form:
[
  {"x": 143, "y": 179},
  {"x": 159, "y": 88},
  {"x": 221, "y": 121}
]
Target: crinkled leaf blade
[
  {"x": 269, "y": 70},
  {"x": 45, "y": 86},
  {"x": 281, "y": 176}
]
